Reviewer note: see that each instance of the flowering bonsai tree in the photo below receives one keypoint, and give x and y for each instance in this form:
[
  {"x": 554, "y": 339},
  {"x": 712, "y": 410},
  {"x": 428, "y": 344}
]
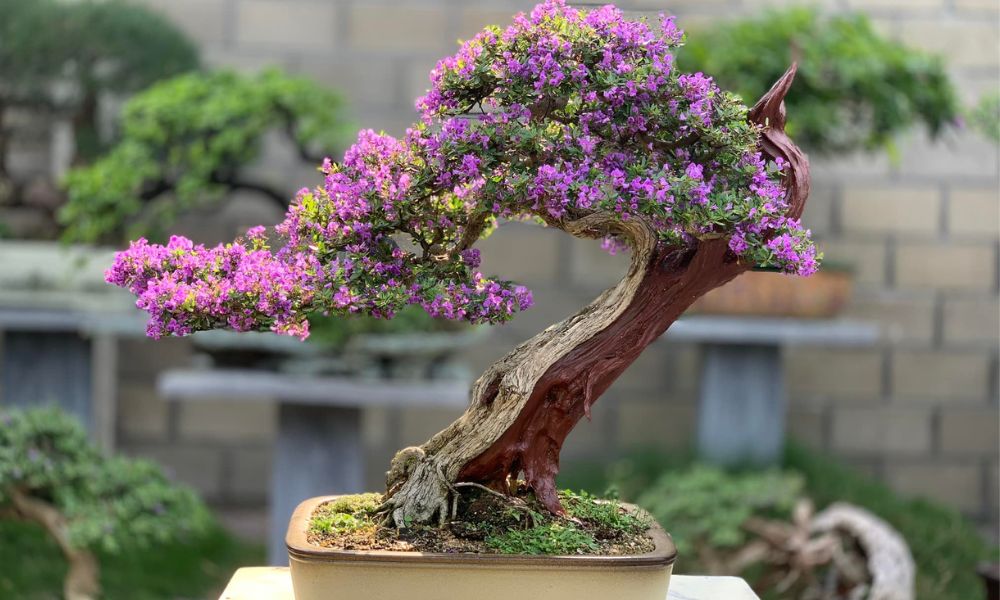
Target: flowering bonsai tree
[{"x": 575, "y": 119}]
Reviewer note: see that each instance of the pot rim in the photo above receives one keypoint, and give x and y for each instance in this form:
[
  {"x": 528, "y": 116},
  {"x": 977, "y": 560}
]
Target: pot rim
[{"x": 663, "y": 554}]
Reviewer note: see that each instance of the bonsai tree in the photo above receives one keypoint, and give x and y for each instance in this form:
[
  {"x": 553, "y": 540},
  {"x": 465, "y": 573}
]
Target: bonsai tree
[
  {"x": 577, "y": 120},
  {"x": 193, "y": 137},
  {"x": 52, "y": 475},
  {"x": 856, "y": 88}
]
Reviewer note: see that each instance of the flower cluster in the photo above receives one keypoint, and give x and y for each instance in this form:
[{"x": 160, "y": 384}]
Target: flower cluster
[
  {"x": 562, "y": 114},
  {"x": 187, "y": 287}
]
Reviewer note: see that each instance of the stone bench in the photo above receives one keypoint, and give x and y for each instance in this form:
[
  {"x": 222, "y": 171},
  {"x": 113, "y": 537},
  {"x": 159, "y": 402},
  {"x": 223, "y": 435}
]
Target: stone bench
[
  {"x": 275, "y": 583},
  {"x": 318, "y": 449},
  {"x": 741, "y": 411}
]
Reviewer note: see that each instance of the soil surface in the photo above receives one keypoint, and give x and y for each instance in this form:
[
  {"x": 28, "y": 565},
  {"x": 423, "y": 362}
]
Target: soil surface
[{"x": 489, "y": 523}]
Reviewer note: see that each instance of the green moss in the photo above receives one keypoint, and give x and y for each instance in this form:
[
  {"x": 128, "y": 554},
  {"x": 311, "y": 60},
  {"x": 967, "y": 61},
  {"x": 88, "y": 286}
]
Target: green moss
[
  {"x": 595, "y": 519},
  {"x": 336, "y": 523},
  {"x": 551, "y": 538},
  {"x": 346, "y": 513},
  {"x": 354, "y": 504},
  {"x": 609, "y": 517}
]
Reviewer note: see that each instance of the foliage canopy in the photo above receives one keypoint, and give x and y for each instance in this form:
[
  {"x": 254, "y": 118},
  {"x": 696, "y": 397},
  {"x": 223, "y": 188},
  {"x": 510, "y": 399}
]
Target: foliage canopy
[
  {"x": 855, "y": 89},
  {"x": 110, "y": 503},
  {"x": 193, "y": 136},
  {"x": 564, "y": 114},
  {"x": 63, "y": 55}
]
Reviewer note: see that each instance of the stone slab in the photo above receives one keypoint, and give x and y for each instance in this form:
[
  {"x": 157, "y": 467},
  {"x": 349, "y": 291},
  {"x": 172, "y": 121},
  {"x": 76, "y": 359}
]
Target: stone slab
[
  {"x": 765, "y": 331},
  {"x": 275, "y": 583},
  {"x": 247, "y": 385}
]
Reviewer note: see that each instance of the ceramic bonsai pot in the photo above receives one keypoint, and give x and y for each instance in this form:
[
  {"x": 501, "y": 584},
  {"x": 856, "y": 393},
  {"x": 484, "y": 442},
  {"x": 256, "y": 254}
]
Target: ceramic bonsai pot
[
  {"x": 764, "y": 294},
  {"x": 326, "y": 574}
]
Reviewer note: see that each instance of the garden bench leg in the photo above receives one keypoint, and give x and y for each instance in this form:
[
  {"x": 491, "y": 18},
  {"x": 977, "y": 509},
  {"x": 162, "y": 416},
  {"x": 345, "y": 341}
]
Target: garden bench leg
[
  {"x": 318, "y": 452},
  {"x": 741, "y": 419}
]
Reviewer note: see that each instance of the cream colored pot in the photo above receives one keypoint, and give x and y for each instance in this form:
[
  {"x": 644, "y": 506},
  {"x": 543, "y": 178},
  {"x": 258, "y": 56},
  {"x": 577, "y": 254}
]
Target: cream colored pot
[{"x": 324, "y": 574}]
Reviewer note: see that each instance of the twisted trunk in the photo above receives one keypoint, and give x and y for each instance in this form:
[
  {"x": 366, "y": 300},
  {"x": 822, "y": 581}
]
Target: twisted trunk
[{"x": 524, "y": 406}]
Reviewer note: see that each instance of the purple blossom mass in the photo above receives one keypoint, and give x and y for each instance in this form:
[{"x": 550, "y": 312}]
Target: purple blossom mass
[{"x": 562, "y": 114}]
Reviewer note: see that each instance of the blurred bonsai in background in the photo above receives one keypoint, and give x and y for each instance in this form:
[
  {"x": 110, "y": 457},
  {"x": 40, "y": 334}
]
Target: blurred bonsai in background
[
  {"x": 50, "y": 474},
  {"x": 710, "y": 512},
  {"x": 63, "y": 61},
  {"x": 63, "y": 57},
  {"x": 984, "y": 117},
  {"x": 855, "y": 89},
  {"x": 335, "y": 332},
  {"x": 191, "y": 138},
  {"x": 706, "y": 507}
]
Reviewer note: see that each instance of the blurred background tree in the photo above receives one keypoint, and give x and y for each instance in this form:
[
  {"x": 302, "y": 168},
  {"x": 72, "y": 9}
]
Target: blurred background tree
[
  {"x": 63, "y": 62},
  {"x": 189, "y": 140},
  {"x": 64, "y": 57},
  {"x": 855, "y": 88},
  {"x": 51, "y": 475}
]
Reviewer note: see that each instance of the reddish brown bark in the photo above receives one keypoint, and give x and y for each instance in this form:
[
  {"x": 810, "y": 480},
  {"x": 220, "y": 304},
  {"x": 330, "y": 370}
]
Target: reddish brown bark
[{"x": 674, "y": 278}]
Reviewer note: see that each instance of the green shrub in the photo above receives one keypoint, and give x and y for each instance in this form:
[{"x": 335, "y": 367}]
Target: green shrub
[
  {"x": 690, "y": 500},
  {"x": 945, "y": 545},
  {"x": 706, "y": 505},
  {"x": 51, "y": 474},
  {"x": 192, "y": 569},
  {"x": 855, "y": 89},
  {"x": 192, "y": 136},
  {"x": 110, "y": 503}
]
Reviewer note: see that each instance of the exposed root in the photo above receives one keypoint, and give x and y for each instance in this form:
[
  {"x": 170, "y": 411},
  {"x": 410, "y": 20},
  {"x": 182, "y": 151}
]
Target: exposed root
[
  {"x": 420, "y": 492},
  {"x": 421, "y": 497}
]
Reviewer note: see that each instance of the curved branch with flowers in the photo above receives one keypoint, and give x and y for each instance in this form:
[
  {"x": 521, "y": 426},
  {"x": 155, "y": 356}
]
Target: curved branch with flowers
[{"x": 576, "y": 119}]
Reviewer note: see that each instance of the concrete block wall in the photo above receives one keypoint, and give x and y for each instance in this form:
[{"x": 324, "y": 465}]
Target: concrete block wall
[{"x": 920, "y": 410}]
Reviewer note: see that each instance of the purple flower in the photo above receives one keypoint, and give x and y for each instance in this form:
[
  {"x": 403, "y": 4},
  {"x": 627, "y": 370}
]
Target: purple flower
[{"x": 565, "y": 131}]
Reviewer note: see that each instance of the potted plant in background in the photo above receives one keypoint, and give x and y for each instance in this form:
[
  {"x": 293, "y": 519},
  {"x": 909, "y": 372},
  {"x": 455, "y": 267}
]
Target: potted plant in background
[
  {"x": 184, "y": 143},
  {"x": 580, "y": 121},
  {"x": 87, "y": 503},
  {"x": 855, "y": 89},
  {"x": 190, "y": 140}
]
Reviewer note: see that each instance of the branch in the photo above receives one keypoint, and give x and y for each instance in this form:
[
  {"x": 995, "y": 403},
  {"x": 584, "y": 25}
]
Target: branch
[
  {"x": 162, "y": 186},
  {"x": 769, "y": 114},
  {"x": 272, "y": 194},
  {"x": 292, "y": 131}
]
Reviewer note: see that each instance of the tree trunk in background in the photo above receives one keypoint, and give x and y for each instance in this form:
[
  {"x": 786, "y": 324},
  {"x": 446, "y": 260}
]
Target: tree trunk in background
[
  {"x": 525, "y": 405},
  {"x": 86, "y": 130},
  {"x": 82, "y": 579},
  {"x": 3, "y": 142}
]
